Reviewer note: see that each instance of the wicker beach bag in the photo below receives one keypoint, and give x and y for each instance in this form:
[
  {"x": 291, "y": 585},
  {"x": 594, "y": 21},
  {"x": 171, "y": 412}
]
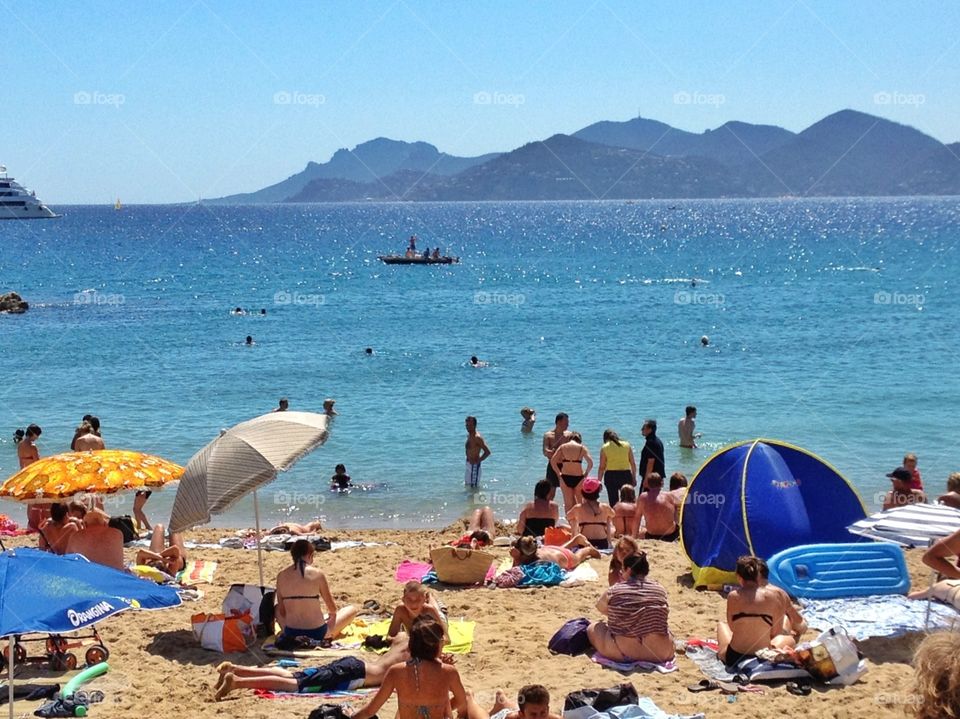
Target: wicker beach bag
[{"x": 461, "y": 566}]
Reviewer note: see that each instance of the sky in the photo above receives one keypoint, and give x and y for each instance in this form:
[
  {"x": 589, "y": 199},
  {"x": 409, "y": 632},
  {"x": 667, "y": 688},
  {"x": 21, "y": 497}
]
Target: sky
[{"x": 170, "y": 102}]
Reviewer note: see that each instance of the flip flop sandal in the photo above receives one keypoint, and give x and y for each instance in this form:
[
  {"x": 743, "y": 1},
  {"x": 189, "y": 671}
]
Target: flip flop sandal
[
  {"x": 373, "y": 605},
  {"x": 800, "y": 690},
  {"x": 728, "y": 687},
  {"x": 704, "y": 685}
]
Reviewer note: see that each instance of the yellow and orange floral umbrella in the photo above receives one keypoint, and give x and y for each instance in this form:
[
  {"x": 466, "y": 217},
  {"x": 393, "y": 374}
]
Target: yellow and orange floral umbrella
[{"x": 104, "y": 471}]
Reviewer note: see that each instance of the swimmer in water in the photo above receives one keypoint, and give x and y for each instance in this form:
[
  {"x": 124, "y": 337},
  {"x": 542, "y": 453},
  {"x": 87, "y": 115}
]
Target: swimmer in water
[
  {"x": 249, "y": 341},
  {"x": 237, "y": 311},
  {"x": 475, "y": 362},
  {"x": 263, "y": 312},
  {"x": 529, "y": 415},
  {"x": 283, "y": 406},
  {"x": 705, "y": 341},
  {"x": 369, "y": 351}
]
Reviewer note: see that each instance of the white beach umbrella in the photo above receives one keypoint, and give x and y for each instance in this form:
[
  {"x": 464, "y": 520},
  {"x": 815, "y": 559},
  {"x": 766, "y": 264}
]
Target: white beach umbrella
[
  {"x": 913, "y": 525},
  {"x": 240, "y": 461}
]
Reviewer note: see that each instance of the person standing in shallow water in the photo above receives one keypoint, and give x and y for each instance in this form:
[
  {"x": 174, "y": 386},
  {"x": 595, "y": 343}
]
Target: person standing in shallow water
[
  {"x": 651, "y": 457},
  {"x": 687, "y": 428},
  {"x": 552, "y": 439},
  {"x": 476, "y": 450}
]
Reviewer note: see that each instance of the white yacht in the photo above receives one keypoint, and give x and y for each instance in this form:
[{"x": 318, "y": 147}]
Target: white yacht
[{"x": 19, "y": 203}]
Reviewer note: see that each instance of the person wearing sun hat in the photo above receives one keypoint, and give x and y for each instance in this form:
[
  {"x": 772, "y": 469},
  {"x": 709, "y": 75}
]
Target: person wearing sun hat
[
  {"x": 902, "y": 492},
  {"x": 592, "y": 517}
]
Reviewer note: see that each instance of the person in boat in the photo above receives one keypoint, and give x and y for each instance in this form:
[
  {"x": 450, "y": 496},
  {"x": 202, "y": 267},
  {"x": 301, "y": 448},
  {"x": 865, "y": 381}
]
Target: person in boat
[
  {"x": 541, "y": 513},
  {"x": 758, "y": 617},
  {"x": 300, "y": 589},
  {"x": 436, "y": 253},
  {"x": 426, "y": 254},
  {"x": 413, "y": 243}
]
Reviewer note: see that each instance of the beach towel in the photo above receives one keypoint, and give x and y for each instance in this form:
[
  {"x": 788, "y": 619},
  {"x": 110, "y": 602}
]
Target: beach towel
[
  {"x": 752, "y": 669},
  {"x": 542, "y": 574},
  {"x": 889, "y": 615},
  {"x": 627, "y": 667},
  {"x": 461, "y": 640},
  {"x": 197, "y": 571},
  {"x": 345, "y": 694},
  {"x": 431, "y": 577},
  {"x": 645, "y": 708},
  {"x": 583, "y": 573},
  {"x": 408, "y": 569}
]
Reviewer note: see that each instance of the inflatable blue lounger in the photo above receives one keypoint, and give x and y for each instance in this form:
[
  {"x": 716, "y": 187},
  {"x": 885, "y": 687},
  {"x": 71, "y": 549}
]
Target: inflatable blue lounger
[{"x": 826, "y": 571}]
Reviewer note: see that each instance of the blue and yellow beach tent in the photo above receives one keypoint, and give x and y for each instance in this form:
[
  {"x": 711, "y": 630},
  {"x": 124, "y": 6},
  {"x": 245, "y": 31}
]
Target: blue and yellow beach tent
[{"x": 760, "y": 497}]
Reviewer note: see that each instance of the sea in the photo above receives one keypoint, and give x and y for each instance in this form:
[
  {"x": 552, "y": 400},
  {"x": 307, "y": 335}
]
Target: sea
[{"x": 831, "y": 324}]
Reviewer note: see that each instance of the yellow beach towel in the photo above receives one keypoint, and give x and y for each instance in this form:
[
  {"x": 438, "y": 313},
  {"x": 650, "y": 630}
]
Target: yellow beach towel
[
  {"x": 197, "y": 571},
  {"x": 460, "y": 631}
]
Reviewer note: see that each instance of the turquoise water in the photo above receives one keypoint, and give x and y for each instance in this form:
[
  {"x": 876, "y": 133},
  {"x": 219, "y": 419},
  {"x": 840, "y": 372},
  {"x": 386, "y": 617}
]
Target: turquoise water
[{"x": 832, "y": 324}]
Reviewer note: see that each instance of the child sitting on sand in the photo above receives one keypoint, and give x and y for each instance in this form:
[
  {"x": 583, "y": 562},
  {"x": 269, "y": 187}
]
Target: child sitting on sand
[
  {"x": 417, "y": 601},
  {"x": 424, "y": 684},
  {"x": 625, "y": 547},
  {"x": 340, "y": 480},
  {"x": 624, "y": 510}
]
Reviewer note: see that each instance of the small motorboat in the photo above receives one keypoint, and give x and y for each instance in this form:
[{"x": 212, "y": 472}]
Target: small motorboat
[{"x": 420, "y": 260}]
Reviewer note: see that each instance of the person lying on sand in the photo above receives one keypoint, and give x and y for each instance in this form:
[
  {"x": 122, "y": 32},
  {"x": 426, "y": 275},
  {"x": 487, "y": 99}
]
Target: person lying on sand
[
  {"x": 759, "y": 616},
  {"x": 417, "y": 601},
  {"x": 298, "y": 530},
  {"x": 300, "y": 588},
  {"x": 526, "y": 551},
  {"x": 169, "y": 559},
  {"x": 423, "y": 684},
  {"x": 533, "y": 702},
  {"x": 481, "y": 530},
  {"x": 342, "y": 675}
]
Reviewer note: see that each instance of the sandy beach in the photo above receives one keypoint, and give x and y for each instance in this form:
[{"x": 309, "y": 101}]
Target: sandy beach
[{"x": 157, "y": 664}]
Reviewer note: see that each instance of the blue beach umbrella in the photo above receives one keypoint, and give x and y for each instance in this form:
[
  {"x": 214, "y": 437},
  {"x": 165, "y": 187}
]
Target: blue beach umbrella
[{"x": 46, "y": 593}]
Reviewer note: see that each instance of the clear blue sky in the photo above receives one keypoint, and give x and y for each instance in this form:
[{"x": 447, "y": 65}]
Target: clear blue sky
[{"x": 164, "y": 102}]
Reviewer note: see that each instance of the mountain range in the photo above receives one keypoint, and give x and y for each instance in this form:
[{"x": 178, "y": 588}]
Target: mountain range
[{"x": 848, "y": 153}]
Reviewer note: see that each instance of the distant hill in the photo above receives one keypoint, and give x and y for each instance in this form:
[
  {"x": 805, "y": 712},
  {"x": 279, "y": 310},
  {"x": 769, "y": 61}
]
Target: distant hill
[
  {"x": 558, "y": 168},
  {"x": 365, "y": 163},
  {"x": 848, "y": 153},
  {"x": 735, "y": 143}
]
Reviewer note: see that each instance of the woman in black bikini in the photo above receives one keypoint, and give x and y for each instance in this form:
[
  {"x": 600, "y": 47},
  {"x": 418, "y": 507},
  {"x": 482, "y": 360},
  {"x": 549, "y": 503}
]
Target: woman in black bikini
[
  {"x": 539, "y": 514},
  {"x": 593, "y": 518},
  {"x": 758, "y": 617},
  {"x": 300, "y": 588},
  {"x": 567, "y": 462}
]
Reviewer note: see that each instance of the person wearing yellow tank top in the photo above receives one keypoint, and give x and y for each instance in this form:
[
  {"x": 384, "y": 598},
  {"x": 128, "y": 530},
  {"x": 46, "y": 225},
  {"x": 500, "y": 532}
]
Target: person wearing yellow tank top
[{"x": 617, "y": 465}]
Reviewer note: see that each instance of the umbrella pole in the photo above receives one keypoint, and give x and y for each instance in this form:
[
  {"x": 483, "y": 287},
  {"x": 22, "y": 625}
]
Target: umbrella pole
[
  {"x": 10, "y": 660},
  {"x": 256, "y": 515}
]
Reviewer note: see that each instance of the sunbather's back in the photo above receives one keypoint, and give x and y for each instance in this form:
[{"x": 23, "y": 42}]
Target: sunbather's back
[{"x": 103, "y": 545}]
